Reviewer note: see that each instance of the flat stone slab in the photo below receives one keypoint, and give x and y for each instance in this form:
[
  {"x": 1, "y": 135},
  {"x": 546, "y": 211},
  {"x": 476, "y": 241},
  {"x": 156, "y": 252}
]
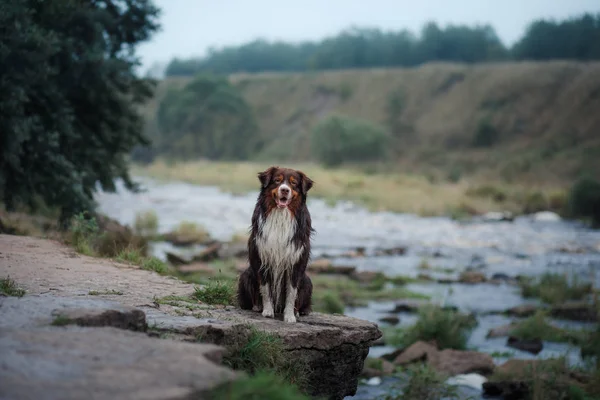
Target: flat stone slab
[
  {"x": 105, "y": 363},
  {"x": 59, "y": 284},
  {"x": 334, "y": 346},
  {"x": 38, "y": 311}
]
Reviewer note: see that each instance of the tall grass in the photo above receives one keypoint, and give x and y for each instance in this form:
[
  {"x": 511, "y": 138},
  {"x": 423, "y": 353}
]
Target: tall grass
[{"x": 386, "y": 188}]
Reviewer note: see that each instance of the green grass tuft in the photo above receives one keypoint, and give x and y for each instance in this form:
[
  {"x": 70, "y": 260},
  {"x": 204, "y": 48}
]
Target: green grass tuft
[
  {"x": 216, "y": 291},
  {"x": 263, "y": 351},
  {"x": 449, "y": 329},
  {"x": 263, "y": 385},
  {"x": 537, "y": 327},
  {"x": 105, "y": 292},
  {"x": 154, "y": 264},
  {"x": 424, "y": 383},
  {"x": 146, "y": 223},
  {"x": 130, "y": 256},
  {"x": 328, "y": 302},
  {"x": 135, "y": 256},
  {"x": 8, "y": 287},
  {"x": 83, "y": 232},
  {"x": 554, "y": 288},
  {"x": 502, "y": 354},
  {"x": 374, "y": 363},
  {"x": 61, "y": 320}
]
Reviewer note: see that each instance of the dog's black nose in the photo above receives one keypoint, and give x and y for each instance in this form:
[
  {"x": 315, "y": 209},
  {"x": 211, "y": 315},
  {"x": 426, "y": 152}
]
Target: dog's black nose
[{"x": 285, "y": 190}]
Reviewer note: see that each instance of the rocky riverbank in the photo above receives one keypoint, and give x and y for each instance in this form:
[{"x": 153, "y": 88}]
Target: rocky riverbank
[{"x": 91, "y": 321}]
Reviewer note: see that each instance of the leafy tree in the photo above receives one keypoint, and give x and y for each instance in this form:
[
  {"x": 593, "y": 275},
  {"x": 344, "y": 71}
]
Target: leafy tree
[
  {"x": 575, "y": 39},
  {"x": 339, "y": 139},
  {"x": 207, "y": 118},
  {"x": 69, "y": 106},
  {"x": 351, "y": 48}
]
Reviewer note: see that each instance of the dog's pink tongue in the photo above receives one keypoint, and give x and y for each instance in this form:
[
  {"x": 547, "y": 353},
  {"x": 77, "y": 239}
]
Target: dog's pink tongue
[{"x": 281, "y": 204}]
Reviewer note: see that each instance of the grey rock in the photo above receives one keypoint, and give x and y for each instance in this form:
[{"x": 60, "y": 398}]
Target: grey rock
[
  {"x": 390, "y": 319},
  {"x": 333, "y": 346},
  {"x": 523, "y": 311},
  {"x": 42, "y": 310},
  {"x": 575, "y": 311},
  {"x": 58, "y": 282},
  {"x": 501, "y": 331},
  {"x": 457, "y": 362},
  {"x": 105, "y": 363},
  {"x": 409, "y": 306},
  {"x": 533, "y": 346},
  {"x": 129, "y": 318}
]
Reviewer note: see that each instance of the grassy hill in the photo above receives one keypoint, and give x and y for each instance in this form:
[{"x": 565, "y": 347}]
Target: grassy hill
[{"x": 542, "y": 119}]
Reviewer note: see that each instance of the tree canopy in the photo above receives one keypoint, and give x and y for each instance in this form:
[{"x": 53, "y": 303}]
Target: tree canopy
[
  {"x": 69, "y": 109},
  {"x": 207, "y": 118},
  {"x": 572, "y": 39},
  {"x": 576, "y": 38}
]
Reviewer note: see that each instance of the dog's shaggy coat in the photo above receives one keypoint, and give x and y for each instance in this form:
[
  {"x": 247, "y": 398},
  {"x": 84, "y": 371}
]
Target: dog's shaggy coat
[{"x": 279, "y": 247}]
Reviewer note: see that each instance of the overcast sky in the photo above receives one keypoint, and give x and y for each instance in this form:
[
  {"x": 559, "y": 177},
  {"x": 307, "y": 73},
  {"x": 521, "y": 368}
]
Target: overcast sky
[{"x": 190, "y": 27}]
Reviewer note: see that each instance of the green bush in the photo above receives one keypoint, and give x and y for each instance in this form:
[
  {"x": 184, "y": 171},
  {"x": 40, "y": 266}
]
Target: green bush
[
  {"x": 206, "y": 118},
  {"x": 83, "y": 232},
  {"x": 340, "y": 139},
  {"x": 486, "y": 134},
  {"x": 584, "y": 200}
]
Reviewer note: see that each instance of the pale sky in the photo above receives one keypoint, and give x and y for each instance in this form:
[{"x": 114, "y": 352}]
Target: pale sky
[{"x": 190, "y": 27}]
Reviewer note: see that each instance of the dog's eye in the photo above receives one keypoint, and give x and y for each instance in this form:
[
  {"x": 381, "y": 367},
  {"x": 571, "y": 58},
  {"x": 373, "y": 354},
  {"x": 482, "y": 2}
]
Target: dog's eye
[{"x": 278, "y": 180}]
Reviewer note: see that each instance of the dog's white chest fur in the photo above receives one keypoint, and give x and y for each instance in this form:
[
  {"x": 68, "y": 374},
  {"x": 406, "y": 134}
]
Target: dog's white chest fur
[{"x": 274, "y": 241}]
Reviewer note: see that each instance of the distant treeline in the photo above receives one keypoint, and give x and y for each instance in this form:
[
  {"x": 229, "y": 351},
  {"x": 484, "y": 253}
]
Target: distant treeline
[{"x": 574, "y": 39}]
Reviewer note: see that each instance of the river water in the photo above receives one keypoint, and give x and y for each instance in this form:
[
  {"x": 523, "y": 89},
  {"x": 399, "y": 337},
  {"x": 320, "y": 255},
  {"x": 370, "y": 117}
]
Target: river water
[{"x": 525, "y": 246}]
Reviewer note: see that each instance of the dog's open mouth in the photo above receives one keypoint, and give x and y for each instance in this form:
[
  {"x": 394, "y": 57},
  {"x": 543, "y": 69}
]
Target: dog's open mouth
[{"x": 282, "y": 202}]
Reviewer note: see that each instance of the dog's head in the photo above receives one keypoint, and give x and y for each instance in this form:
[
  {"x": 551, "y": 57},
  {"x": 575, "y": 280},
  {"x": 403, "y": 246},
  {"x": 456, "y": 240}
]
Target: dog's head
[{"x": 284, "y": 187}]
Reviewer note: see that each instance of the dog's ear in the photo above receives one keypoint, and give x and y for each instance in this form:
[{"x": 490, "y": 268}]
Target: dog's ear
[
  {"x": 265, "y": 176},
  {"x": 305, "y": 182}
]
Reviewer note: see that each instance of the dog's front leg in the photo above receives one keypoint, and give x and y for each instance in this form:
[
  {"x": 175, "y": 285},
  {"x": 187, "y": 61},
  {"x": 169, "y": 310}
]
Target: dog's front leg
[
  {"x": 290, "y": 302},
  {"x": 265, "y": 293}
]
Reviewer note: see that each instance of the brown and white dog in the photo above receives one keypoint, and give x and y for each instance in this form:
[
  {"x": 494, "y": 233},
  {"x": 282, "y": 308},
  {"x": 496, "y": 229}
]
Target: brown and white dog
[{"x": 279, "y": 247}]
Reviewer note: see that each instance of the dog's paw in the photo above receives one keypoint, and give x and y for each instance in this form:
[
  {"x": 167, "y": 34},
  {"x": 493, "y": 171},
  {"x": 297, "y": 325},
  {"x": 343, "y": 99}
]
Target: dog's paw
[
  {"x": 268, "y": 313},
  {"x": 256, "y": 309},
  {"x": 289, "y": 318}
]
